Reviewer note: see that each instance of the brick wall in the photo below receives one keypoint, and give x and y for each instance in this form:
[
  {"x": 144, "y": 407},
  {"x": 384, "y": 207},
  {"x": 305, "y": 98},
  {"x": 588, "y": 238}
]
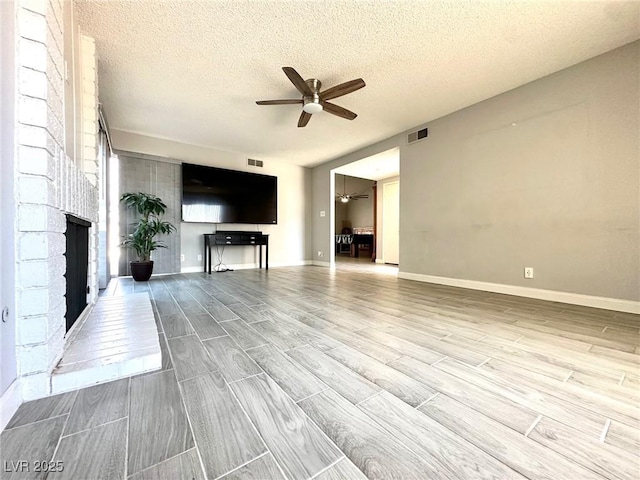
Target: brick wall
[
  {"x": 49, "y": 184},
  {"x": 89, "y": 88}
]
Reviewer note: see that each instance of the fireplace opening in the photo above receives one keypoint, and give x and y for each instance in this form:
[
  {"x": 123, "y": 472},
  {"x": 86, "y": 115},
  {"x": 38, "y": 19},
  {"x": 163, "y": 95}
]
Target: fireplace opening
[{"x": 77, "y": 256}]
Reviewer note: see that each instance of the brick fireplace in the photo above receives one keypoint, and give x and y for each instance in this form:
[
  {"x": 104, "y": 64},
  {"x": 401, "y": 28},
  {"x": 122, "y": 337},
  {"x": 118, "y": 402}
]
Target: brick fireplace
[{"x": 55, "y": 179}]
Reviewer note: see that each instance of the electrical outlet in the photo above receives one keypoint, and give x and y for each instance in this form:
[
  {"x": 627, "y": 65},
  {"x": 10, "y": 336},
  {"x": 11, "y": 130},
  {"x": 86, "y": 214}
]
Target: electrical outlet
[
  {"x": 199, "y": 258},
  {"x": 320, "y": 254},
  {"x": 323, "y": 213},
  {"x": 528, "y": 272},
  {"x": 182, "y": 257}
]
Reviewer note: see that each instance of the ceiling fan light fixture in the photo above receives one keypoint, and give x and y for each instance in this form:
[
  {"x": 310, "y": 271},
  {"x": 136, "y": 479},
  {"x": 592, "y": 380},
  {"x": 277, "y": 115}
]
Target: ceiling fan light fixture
[
  {"x": 344, "y": 199},
  {"x": 312, "y": 107},
  {"x": 315, "y": 101}
]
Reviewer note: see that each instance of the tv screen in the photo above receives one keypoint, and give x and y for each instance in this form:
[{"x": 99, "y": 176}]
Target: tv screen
[{"x": 218, "y": 195}]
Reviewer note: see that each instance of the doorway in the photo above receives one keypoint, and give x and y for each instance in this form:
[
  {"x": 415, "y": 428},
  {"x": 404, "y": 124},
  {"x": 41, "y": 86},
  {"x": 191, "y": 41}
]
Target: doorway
[
  {"x": 354, "y": 220},
  {"x": 382, "y": 168}
]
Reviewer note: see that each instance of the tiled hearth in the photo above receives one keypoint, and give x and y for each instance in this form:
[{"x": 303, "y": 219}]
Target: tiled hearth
[{"x": 119, "y": 339}]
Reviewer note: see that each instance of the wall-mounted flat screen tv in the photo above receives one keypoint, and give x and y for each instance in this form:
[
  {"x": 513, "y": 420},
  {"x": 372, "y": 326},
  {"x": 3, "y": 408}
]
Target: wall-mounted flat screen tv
[{"x": 218, "y": 195}]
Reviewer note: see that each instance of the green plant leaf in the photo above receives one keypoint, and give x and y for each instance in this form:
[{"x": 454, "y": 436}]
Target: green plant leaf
[{"x": 149, "y": 225}]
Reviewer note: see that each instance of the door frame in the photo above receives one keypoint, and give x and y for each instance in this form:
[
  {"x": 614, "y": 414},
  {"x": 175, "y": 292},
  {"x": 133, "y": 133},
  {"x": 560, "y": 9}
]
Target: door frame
[{"x": 384, "y": 239}]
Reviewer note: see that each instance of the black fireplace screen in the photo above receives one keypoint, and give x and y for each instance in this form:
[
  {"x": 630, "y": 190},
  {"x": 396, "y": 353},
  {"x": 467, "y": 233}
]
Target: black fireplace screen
[{"x": 77, "y": 254}]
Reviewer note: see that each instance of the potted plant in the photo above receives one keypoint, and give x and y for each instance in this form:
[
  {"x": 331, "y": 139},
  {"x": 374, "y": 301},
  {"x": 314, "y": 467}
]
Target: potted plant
[{"x": 142, "y": 240}]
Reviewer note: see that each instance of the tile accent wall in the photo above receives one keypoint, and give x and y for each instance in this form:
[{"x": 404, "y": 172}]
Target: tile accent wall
[
  {"x": 48, "y": 185},
  {"x": 144, "y": 174}
]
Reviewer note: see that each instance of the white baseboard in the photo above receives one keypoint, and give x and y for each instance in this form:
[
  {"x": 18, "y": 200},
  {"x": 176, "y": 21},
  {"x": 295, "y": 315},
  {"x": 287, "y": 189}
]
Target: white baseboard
[
  {"x": 619, "y": 305},
  {"x": 247, "y": 266},
  {"x": 321, "y": 264},
  {"x": 191, "y": 269},
  {"x": 297, "y": 263},
  {"x": 9, "y": 402}
]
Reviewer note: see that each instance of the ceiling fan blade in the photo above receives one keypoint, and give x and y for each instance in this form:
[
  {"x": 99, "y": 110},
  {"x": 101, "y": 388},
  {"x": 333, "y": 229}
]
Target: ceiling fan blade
[
  {"x": 297, "y": 80},
  {"x": 342, "y": 89},
  {"x": 278, "y": 102},
  {"x": 337, "y": 110},
  {"x": 304, "y": 119}
]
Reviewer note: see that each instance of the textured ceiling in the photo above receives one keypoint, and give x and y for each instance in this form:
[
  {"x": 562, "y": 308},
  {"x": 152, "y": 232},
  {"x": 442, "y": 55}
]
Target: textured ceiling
[{"x": 192, "y": 71}]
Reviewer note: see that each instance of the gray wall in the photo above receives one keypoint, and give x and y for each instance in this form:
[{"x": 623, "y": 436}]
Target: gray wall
[
  {"x": 544, "y": 176},
  {"x": 341, "y": 215},
  {"x": 141, "y": 173},
  {"x": 358, "y": 213}
]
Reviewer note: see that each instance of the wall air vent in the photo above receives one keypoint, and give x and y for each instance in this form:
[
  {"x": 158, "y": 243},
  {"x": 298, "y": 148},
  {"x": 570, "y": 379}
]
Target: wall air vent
[
  {"x": 255, "y": 163},
  {"x": 417, "y": 136}
]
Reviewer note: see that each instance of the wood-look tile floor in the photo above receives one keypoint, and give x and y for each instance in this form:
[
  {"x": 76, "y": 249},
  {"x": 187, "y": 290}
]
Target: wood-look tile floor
[{"x": 304, "y": 372}]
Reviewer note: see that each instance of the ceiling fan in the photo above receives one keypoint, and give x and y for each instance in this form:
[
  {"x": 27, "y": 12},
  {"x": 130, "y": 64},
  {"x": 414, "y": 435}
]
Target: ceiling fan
[
  {"x": 313, "y": 100},
  {"x": 346, "y": 198}
]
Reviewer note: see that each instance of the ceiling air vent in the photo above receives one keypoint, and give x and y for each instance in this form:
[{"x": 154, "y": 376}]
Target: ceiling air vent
[
  {"x": 255, "y": 163},
  {"x": 417, "y": 136}
]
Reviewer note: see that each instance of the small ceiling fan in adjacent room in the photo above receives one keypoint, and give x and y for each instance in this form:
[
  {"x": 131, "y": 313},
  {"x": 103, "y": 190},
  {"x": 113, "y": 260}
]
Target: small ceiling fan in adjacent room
[
  {"x": 345, "y": 197},
  {"x": 313, "y": 100}
]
